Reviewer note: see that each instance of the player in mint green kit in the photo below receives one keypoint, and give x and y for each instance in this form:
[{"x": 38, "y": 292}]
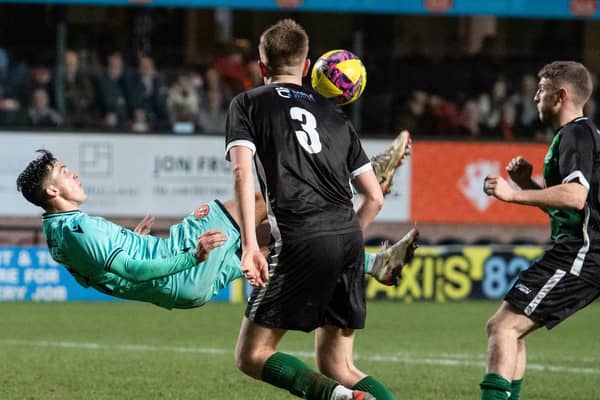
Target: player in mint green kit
[
  {"x": 166, "y": 272},
  {"x": 200, "y": 257}
]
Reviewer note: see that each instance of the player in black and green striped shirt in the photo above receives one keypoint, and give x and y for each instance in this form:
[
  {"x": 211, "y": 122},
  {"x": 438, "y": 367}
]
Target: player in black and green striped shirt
[{"x": 567, "y": 277}]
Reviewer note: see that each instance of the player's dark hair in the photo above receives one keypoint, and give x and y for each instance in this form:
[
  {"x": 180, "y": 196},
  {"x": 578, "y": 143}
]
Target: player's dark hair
[
  {"x": 572, "y": 73},
  {"x": 31, "y": 181},
  {"x": 282, "y": 46}
]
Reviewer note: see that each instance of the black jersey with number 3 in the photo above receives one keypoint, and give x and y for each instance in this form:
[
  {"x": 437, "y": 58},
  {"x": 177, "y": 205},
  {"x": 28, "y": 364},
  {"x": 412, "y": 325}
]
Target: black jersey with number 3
[{"x": 306, "y": 151}]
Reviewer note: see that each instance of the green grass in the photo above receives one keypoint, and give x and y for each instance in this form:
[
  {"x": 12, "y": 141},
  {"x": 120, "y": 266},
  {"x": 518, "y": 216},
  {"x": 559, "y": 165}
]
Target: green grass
[{"x": 96, "y": 351}]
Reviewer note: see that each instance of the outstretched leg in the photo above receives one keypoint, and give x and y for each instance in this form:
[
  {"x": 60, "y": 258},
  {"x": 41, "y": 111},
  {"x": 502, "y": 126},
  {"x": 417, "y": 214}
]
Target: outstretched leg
[
  {"x": 386, "y": 163},
  {"x": 386, "y": 265}
]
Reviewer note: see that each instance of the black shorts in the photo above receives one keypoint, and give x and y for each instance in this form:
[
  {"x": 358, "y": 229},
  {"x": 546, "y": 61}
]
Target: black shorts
[
  {"x": 314, "y": 282},
  {"x": 548, "y": 296}
]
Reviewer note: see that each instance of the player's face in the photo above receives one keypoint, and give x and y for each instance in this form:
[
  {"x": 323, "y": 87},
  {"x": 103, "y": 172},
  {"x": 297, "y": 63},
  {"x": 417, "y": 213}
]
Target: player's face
[
  {"x": 68, "y": 183},
  {"x": 546, "y": 98}
]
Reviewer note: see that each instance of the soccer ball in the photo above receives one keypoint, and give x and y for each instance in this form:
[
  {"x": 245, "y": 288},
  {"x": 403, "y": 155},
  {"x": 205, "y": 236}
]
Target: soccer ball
[{"x": 339, "y": 75}]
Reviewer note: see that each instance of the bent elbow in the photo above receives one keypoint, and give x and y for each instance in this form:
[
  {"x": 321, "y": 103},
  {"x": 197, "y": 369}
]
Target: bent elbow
[
  {"x": 579, "y": 204},
  {"x": 376, "y": 200},
  {"x": 579, "y": 200}
]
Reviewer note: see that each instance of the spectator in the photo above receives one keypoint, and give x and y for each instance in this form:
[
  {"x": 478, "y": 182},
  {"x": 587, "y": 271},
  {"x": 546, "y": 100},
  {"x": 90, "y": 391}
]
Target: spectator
[
  {"x": 79, "y": 93},
  {"x": 183, "y": 105},
  {"x": 212, "y": 114},
  {"x": 506, "y": 128},
  {"x": 12, "y": 80},
  {"x": 445, "y": 115},
  {"x": 212, "y": 79},
  {"x": 527, "y": 115},
  {"x": 469, "y": 123},
  {"x": 115, "y": 92},
  {"x": 39, "y": 112},
  {"x": 415, "y": 115},
  {"x": 491, "y": 104},
  {"x": 233, "y": 69},
  {"x": 151, "y": 93},
  {"x": 40, "y": 77}
]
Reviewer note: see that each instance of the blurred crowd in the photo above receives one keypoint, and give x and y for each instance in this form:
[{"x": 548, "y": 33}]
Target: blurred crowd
[
  {"x": 122, "y": 96},
  {"x": 468, "y": 97},
  {"x": 479, "y": 96}
]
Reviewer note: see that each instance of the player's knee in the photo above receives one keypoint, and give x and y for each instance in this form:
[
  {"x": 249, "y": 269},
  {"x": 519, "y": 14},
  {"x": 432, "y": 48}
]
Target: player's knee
[
  {"x": 491, "y": 327},
  {"x": 249, "y": 363},
  {"x": 497, "y": 327}
]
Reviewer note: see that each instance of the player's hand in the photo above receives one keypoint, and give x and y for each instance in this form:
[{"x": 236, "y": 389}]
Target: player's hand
[
  {"x": 145, "y": 225},
  {"x": 520, "y": 171},
  {"x": 498, "y": 187},
  {"x": 255, "y": 267},
  {"x": 206, "y": 242}
]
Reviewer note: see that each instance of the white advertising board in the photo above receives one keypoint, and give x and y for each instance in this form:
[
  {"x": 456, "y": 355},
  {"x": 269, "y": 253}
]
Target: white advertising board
[{"x": 135, "y": 175}]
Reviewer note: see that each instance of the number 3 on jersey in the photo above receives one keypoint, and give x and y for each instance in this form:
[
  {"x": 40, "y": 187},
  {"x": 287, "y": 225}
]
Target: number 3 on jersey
[{"x": 308, "y": 137}]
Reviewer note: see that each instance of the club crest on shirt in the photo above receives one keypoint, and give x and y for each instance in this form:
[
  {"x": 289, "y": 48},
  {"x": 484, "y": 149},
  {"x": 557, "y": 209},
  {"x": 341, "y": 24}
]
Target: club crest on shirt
[{"x": 202, "y": 211}]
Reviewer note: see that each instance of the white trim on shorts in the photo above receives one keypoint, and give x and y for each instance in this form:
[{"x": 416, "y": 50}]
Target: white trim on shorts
[{"x": 548, "y": 286}]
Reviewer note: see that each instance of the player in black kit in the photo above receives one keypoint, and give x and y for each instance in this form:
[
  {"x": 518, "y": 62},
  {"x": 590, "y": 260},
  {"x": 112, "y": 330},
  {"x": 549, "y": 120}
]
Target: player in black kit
[{"x": 306, "y": 152}]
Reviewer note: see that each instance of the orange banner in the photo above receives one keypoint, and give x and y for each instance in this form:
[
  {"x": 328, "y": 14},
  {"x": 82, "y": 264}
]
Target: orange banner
[{"x": 447, "y": 182}]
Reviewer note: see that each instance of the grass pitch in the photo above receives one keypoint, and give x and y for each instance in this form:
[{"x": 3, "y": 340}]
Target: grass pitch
[{"x": 423, "y": 351}]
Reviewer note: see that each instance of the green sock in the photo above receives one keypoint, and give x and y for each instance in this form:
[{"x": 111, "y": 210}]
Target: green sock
[
  {"x": 288, "y": 372},
  {"x": 494, "y": 387},
  {"x": 515, "y": 389},
  {"x": 376, "y": 388}
]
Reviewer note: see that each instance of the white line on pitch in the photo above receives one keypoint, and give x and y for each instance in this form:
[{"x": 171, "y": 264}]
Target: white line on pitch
[{"x": 441, "y": 359}]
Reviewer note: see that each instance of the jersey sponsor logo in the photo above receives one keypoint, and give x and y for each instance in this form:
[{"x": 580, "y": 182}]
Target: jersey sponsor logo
[
  {"x": 294, "y": 94},
  {"x": 77, "y": 228},
  {"x": 202, "y": 211}
]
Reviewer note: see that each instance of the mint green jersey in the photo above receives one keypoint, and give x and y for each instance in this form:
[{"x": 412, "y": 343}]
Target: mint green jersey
[{"x": 162, "y": 271}]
